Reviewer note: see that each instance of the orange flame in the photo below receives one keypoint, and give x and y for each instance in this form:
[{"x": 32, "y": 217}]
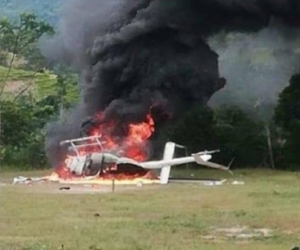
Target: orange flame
[
  {"x": 133, "y": 146},
  {"x": 137, "y": 136}
]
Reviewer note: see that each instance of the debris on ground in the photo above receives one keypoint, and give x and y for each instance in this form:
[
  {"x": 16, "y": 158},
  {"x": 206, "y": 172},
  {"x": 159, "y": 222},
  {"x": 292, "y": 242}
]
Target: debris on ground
[
  {"x": 238, "y": 183},
  {"x": 28, "y": 180},
  {"x": 213, "y": 183},
  {"x": 221, "y": 182}
]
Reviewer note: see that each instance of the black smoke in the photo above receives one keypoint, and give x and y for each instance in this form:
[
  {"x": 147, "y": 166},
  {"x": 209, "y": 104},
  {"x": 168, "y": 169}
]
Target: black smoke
[{"x": 133, "y": 54}]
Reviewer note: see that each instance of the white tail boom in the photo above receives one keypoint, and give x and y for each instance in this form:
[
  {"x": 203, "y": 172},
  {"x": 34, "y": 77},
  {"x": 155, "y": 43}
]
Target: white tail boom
[{"x": 168, "y": 161}]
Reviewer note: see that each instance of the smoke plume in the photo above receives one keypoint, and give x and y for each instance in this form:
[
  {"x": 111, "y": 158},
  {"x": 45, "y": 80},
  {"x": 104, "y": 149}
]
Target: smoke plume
[
  {"x": 133, "y": 54},
  {"x": 257, "y": 67}
]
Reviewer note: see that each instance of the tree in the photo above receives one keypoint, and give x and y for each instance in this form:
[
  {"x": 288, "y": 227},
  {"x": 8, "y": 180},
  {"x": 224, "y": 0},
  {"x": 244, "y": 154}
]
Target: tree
[
  {"x": 287, "y": 112},
  {"x": 287, "y": 117},
  {"x": 195, "y": 130},
  {"x": 22, "y": 131},
  {"x": 14, "y": 118},
  {"x": 240, "y": 137},
  {"x": 229, "y": 129},
  {"x": 67, "y": 87},
  {"x": 20, "y": 39},
  {"x": 23, "y": 120}
]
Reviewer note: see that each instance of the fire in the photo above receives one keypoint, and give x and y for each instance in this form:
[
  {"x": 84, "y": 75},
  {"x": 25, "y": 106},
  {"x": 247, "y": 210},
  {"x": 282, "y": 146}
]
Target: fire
[
  {"x": 133, "y": 145},
  {"x": 137, "y": 136}
]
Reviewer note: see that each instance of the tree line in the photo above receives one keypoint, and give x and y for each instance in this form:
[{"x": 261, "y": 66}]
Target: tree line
[{"x": 24, "y": 114}]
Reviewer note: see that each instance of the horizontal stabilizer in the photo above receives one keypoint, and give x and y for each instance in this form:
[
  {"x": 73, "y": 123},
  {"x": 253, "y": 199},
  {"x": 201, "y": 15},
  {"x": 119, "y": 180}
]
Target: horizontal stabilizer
[{"x": 199, "y": 159}]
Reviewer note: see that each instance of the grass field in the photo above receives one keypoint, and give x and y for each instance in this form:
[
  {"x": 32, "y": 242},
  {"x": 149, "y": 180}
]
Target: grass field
[
  {"x": 41, "y": 84},
  {"x": 176, "y": 216}
]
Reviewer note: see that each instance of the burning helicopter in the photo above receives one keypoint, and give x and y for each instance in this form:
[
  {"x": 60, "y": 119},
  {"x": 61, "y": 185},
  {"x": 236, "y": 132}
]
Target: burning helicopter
[{"x": 103, "y": 162}]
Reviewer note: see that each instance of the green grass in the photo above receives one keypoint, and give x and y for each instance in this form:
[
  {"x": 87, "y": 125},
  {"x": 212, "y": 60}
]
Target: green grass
[
  {"x": 44, "y": 84},
  {"x": 176, "y": 216}
]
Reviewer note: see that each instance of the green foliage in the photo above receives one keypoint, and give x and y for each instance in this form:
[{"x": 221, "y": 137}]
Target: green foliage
[
  {"x": 24, "y": 118},
  {"x": 3, "y": 58},
  {"x": 240, "y": 137},
  {"x": 22, "y": 131},
  {"x": 67, "y": 86},
  {"x": 22, "y": 37},
  {"x": 24, "y": 114},
  {"x": 14, "y": 118},
  {"x": 228, "y": 129},
  {"x": 30, "y": 98},
  {"x": 194, "y": 130},
  {"x": 287, "y": 113},
  {"x": 287, "y": 117}
]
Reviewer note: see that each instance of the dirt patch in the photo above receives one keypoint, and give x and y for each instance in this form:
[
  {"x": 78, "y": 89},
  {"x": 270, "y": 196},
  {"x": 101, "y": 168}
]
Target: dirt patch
[
  {"x": 244, "y": 232},
  {"x": 238, "y": 233},
  {"x": 15, "y": 86}
]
